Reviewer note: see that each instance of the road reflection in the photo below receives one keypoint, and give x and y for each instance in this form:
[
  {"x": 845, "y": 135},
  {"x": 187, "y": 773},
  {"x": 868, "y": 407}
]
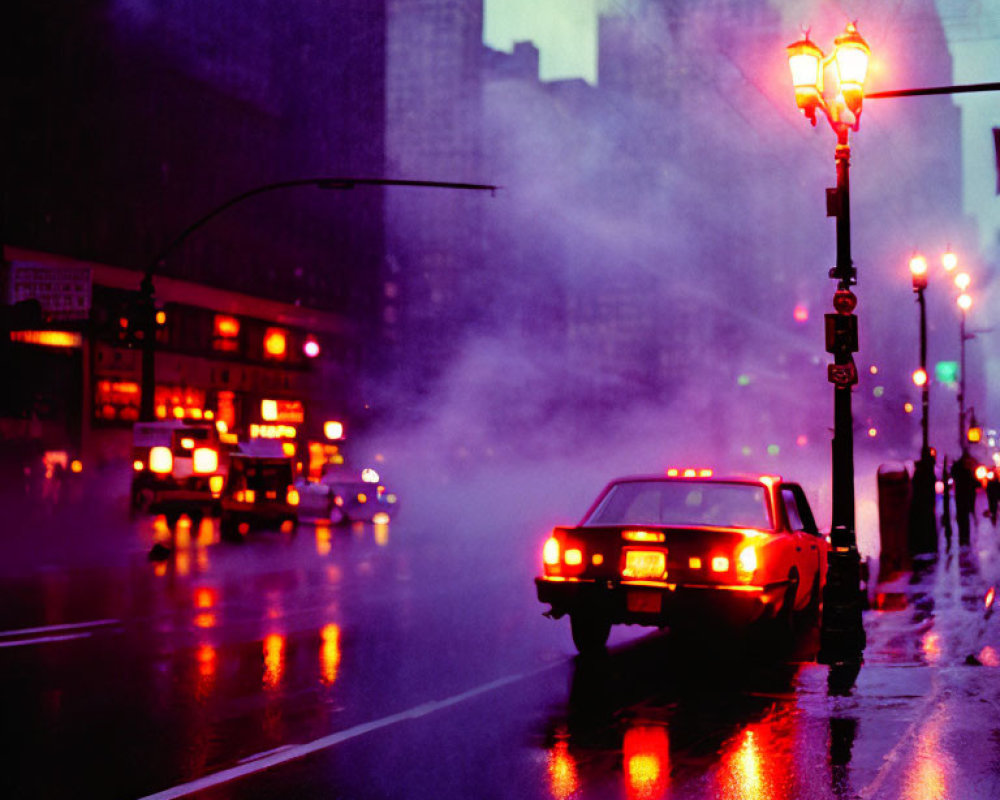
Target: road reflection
[
  {"x": 274, "y": 660},
  {"x": 664, "y": 700},
  {"x": 329, "y": 653},
  {"x": 646, "y": 762},
  {"x": 563, "y": 782}
]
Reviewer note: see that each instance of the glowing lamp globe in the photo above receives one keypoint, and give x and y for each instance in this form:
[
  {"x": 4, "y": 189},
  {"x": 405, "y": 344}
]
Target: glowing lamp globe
[
  {"x": 962, "y": 281},
  {"x": 805, "y": 60},
  {"x": 964, "y": 302},
  {"x": 851, "y": 53},
  {"x": 918, "y": 269},
  {"x": 949, "y": 261}
]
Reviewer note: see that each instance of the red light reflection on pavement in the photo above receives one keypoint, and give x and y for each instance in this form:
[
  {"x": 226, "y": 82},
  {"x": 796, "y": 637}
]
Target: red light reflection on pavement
[
  {"x": 646, "y": 762},
  {"x": 758, "y": 764},
  {"x": 989, "y": 657},
  {"x": 329, "y": 653},
  {"x": 933, "y": 766},
  {"x": 207, "y": 659},
  {"x": 274, "y": 660},
  {"x": 563, "y": 782}
]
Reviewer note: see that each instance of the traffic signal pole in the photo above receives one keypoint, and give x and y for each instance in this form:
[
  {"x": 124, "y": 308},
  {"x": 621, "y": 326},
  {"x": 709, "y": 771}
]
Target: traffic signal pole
[{"x": 147, "y": 297}]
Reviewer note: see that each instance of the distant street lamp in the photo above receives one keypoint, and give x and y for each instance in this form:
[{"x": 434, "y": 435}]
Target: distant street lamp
[
  {"x": 842, "y": 634},
  {"x": 923, "y": 526},
  {"x": 147, "y": 316},
  {"x": 964, "y": 302}
]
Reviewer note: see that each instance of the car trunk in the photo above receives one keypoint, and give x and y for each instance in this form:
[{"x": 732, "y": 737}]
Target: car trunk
[{"x": 682, "y": 544}]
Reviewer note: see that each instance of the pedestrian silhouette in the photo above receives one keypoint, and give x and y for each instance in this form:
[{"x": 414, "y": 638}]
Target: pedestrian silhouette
[
  {"x": 965, "y": 496},
  {"x": 993, "y": 496}
]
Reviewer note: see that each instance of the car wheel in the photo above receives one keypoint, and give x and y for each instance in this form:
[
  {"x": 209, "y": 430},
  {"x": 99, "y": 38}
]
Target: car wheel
[
  {"x": 784, "y": 626},
  {"x": 228, "y": 530},
  {"x": 590, "y": 631}
]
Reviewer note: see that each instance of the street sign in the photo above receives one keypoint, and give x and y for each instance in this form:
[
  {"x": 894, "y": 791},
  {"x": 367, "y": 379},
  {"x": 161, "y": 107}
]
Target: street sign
[{"x": 64, "y": 292}]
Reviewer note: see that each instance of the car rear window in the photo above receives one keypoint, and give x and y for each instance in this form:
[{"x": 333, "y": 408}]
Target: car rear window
[
  {"x": 683, "y": 503},
  {"x": 259, "y": 475}
]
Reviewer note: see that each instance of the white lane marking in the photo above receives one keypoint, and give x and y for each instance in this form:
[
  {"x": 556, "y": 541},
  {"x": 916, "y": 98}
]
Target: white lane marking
[
  {"x": 43, "y": 639},
  {"x": 97, "y": 623},
  {"x": 263, "y": 761},
  {"x": 255, "y": 756}
]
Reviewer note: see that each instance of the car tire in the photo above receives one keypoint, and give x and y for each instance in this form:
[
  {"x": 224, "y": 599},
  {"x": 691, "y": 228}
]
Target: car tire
[
  {"x": 590, "y": 632},
  {"x": 229, "y": 531},
  {"x": 784, "y": 621}
]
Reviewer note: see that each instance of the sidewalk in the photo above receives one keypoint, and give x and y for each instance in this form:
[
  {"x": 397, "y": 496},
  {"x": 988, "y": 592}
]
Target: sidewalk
[{"x": 924, "y": 718}]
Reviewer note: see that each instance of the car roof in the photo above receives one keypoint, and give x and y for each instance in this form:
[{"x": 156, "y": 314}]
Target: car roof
[{"x": 747, "y": 479}]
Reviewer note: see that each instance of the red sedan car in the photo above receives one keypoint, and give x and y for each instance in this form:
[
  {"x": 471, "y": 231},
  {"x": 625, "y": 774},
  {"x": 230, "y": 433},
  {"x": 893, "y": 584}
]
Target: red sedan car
[{"x": 685, "y": 549}]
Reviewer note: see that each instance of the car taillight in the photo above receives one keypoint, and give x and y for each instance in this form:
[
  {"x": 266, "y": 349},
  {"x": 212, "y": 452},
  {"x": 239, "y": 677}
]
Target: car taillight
[
  {"x": 138, "y": 465},
  {"x": 205, "y": 460},
  {"x": 720, "y": 564},
  {"x": 292, "y": 496},
  {"x": 161, "y": 460},
  {"x": 573, "y": 557},
  {"x": 245, "y": 496},
  {"x": 215, "y": 484},
  {"x": 746, "y": 562},
  {"x": 362, "y": 497},
  {"x": 550, "y": 552}
]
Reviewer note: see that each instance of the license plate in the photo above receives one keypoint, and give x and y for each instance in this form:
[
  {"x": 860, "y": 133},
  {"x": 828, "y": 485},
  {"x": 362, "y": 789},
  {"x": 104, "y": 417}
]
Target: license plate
[
  {"x": 648, "y": 602},
  {"x": 649, "y": 564}
]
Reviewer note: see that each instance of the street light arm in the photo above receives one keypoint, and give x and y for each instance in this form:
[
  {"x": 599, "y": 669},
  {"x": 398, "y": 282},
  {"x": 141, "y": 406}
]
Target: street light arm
[
  {"x": 319, "y": 183},
  {"x": 970, "y": 87}
]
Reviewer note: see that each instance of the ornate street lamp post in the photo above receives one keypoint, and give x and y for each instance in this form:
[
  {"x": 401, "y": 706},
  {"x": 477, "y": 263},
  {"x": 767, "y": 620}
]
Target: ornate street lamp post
[
  {"x": 842, "y": 634},
  {"x": 923, "y": 526},
  {"x": 964, "y": 301}
]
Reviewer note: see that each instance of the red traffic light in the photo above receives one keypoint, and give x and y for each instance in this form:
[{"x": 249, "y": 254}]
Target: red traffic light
[{"x": 920, "y": 377}]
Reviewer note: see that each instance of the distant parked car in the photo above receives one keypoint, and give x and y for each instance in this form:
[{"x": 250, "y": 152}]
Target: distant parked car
[
  {"x": 343, "y": 494},
  {"x": 259, "y": 493},
  {"x": 176, "y": 468}
]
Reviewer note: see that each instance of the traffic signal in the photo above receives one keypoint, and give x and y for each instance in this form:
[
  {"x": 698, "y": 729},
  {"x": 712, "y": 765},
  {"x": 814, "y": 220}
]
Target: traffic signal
[
  {"x": 946, "y": 372},
  {"x": 137, "y": 317},
  {"x": 920, "y": 377}
]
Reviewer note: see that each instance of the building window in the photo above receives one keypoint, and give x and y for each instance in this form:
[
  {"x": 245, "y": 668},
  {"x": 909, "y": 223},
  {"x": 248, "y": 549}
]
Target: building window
[
  {"x": 116, "y": 400},
  {"x": 275, "y": 343},
  {"x": 226, "y": 333}
]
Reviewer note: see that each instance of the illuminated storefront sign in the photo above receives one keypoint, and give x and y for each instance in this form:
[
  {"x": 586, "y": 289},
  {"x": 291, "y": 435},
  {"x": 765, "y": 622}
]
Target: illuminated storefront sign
[
  {"x": 48, "y": 338},
  {"x": 272, "y": 431},
  {"x": 288, "y": 411}
]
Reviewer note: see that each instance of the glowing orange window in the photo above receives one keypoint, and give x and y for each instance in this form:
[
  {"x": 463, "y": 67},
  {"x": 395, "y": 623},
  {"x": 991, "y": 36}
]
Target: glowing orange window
[
  {"x": 227, "y": 331},
  {"x": 275, "y": 343}
]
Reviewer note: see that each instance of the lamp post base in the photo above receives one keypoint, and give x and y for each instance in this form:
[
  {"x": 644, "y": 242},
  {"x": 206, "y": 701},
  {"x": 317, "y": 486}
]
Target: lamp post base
[
  {"x": 923, "y": 523},
  {"x": 842, "y": 633}
]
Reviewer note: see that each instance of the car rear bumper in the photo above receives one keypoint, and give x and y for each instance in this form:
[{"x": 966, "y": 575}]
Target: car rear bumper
[
  {"x": 661, "y": 604},
  {"x": 259, "y": 515}
]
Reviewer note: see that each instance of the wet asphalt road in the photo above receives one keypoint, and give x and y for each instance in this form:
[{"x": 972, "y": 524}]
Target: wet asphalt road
[{"x": 412, "y": 661}]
